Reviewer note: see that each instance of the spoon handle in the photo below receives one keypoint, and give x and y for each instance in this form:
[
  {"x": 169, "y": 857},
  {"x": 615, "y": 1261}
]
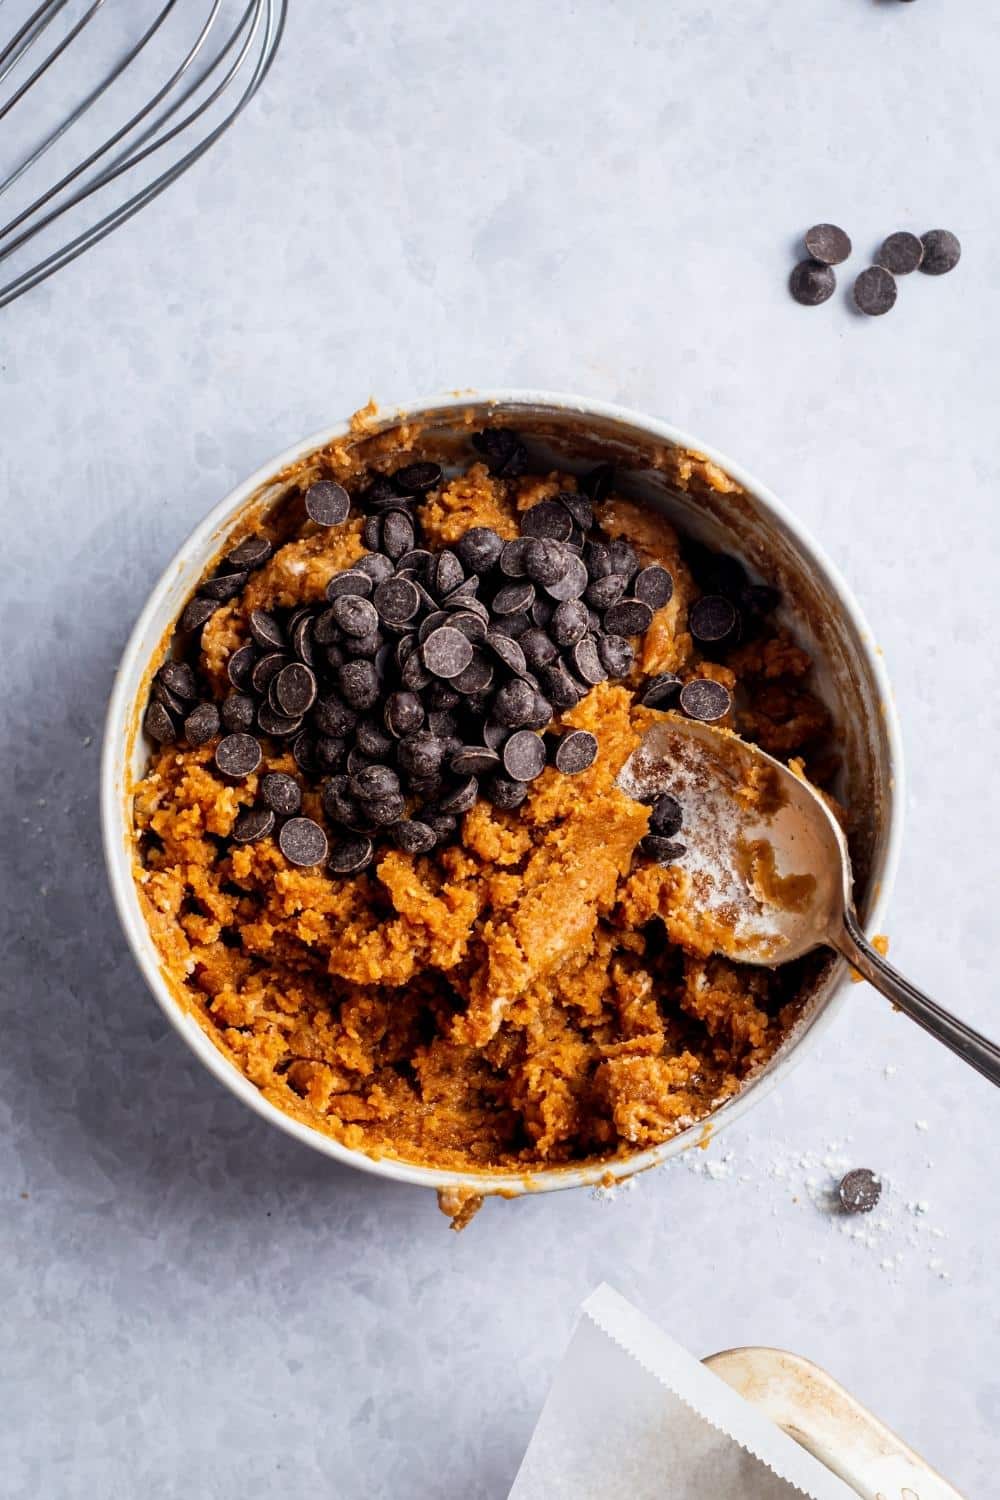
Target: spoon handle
[{"x": 976, "y": 1049}]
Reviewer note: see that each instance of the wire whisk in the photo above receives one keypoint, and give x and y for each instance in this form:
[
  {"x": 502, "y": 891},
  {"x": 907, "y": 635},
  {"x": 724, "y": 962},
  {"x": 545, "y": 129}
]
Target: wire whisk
[{"x": 96, "y": 121}]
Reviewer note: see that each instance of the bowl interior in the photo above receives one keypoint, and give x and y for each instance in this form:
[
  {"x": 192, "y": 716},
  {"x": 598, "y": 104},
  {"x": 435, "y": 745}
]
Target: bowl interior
[{"x": 705, "y": 496}]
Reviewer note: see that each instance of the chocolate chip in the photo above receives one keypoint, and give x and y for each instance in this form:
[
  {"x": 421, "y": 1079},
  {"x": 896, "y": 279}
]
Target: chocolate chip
[
  {"x": 630, "y": 617},
  {"x": 661, "y": 690},
  {"x": 513, "y": 557},
  {"x": 503, "y": 450},
  {"x": 239, "y": 667},
  {"x": 827, "y": 244},
  {"x": 537, "y": 648},
  {"x": 579, "y": 507},
  {"x": 474, "y": 760},
  {"x": 375, "y": 566},
  {"x": 202, "y": 724},
  {"x": 712, "y": 619},
  {"x": 598, "y": 482},
  {"x": 463, "y": 601},
  {"x": 223, "y": 588},
  {"x": 446, "y": 652},
  {"x": 354, "y": 615},
  {"x": 397, "y": 534},
  {"x": 358, "y": 684},
  {"x": 663, "y": 851},
  {"x": 477, "y": 677},
  {"x": 372, "y": 782},
  {"x": 251, "y": 553},
  {"x": 617, "y": 654},
  {"x": 942, "y": 252},
  {"x": 812, "y": 283},
  {"x": 403, "y": 714},
  {"x": 666, "y": 816},
  {"x": 570, "y": 622},
  {"x": 306, "y": 754},
  {"x": 545, "y": 561},
  {"x": 597, "y": 559},
  {"x": 623, "y": 557},
  {"x": 329, "y": 751},
  {"x": 275, "y": 724},
  {"x": 705, "y": 699},
  {"x": 524, "y": 755},
  {"x": 159, "y": 725},
  {"x": 874, "y": 292},
  {"x": 327, "y": 503},
  {"x": 505, "y": 793},
  {"x": 179, "y": 677},
  {"x": 447, "y": 573},
  {"x": 585, "y": 661},
  {"x": 413, "y": 675},
  {"x": 603, "y": 592},
  {"x": 253, "y": 823},
  {"x": 654, "y": 586},
  {"x": 479, "y": 549},
  {"x": 462, "y": 798},
  {"x": 397, "y": 600},
  {"x": 350, "y": 856},
  {"x": 514, "y": 599},
  {"x": 332, "y": 716},
  {"x": 414, "y": 837},
  {"x": 281, "y": 793},
  {"x": 561, "y": 687},
  {"x": 514, "y": 703},
  {"x": 303, "y": 842},
  {"x": 238, "y": 712},
  {"x": 859, "y": 1191},
  {"x": 420, "y": 755},
  {"x": 417, "y": 478},
  {"x": 547, "y": 519},
  {"x": 901, "y": 253},
  {"x": 237, "y": 755},
  {"x": 196, "y": 612},
  {"x": 573, "y": 582},
  {"x": 294, "y": 690},
  {"x": 575, "y": 752},
  {"x": 381, "y": 492},
  {"x": 267, "y": 668},
  {"x": 352, "y": 581}
]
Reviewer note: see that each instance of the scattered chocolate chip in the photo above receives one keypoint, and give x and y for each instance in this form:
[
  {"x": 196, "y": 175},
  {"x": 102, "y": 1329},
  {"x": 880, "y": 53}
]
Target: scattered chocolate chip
[
  {"x": 654, "y": 586},
  {"x": 503, "y": 450},
  {"x": 663, "y": 851},
  {"x": 477, "y": 677},
  {"x": 462, "y": 798},
  {"x": 202, "y": 724},
  {"x": 479, "y": 549},
  {"x": 223, "y": 588},
  {"x": 580, "y": 508},
  {"x": 266, "y": 631},
  {"x": 355, "y": 616},
  {"x": 901, "y": 253},
  {"x": 278, "y": 725},
  {"x": 251, "y": 553},
  {"x": 827, "y": 244},
  {"x": 547, "y": 519},
  {"x": 514, "y": 703},
  {"x": 666, "y": 816},
  {"x": 447, "y": 573},
  {"x": 561, "y": 687},
  {"x": 537, "y": 648},
  {"x": 576, "y": 751},
  {"x": 585, "y": 661},
  {"x": 397, "y": 534},
  {"x": 375, "y": 565},
  {"x": 294, "y": 690},
  {"x": 604, "y": 592},
  {"x": 158, "y": 724},
  {"x": 281, "y": 793},
  {"x": 446, "y": 652},
  {"x": 570, "y": 622},
  {"x": 196, "y": 612},
  {"x": 237, "y": 755},
  {"x": 512, "y": 557},
  {"x": 358, "y": 684},
  {"x": 417, "y": 478},
  {"x": 179, "y": 677},
  {"x": 381, "y": 492},
  {"x": 514, "y": 599},
  {"x": 630, "y": 617},
  {"x": 414, "y": 837},
  {"x": 302, "y": 842},
  {"x": 712, "y": 620},
  {"x": 238, "y": 711},
  {"x": 859, "y": 1191},
  {"x": 545, "y": 561},
  {"x": 474, "y": 760},
  {"x": 812, "y": 283},
  {"x": 703, "y": 698},
  {"x": 623, "y": 557},
  {"x": 524, "y": 756},
  {"x": 397, "y": 601},
  {"x": 942, "y": 252},
  {"x": 403, "y": 714},
  {"x": 351, "y": 581},
  {"x": 507, "y": 650},
  {"x": 240, "y": 666},
  {"x": 420, "y": 755},
  {"x": 267, "y": 668},
  {"x": 660, "y": 690},
  {"x": 327, "y": 503},
  {"x": 874, "y": 292},
  {"x": 252, "y": 823}
]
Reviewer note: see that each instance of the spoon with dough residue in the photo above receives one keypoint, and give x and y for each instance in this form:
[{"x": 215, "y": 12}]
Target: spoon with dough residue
[{"x": 770, "y": 874}]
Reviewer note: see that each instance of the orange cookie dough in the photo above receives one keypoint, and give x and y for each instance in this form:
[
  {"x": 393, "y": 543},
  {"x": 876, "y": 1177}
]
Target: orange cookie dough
[{"x": 525, "y": 997}]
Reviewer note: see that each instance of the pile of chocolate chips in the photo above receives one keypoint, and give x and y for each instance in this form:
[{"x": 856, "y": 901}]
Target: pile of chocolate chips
[{"x": 427, "y": 676}]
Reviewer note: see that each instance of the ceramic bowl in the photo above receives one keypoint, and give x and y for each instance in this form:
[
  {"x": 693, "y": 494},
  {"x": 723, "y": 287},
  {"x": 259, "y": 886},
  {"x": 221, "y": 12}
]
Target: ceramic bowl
[{"x": 709, "y": 496}]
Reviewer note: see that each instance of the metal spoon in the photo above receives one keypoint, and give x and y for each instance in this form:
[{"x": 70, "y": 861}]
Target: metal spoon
[{"x": 769, "y": 868}]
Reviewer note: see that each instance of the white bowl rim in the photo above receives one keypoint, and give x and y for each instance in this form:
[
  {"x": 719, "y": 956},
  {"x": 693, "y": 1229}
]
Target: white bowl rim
[{"x": 134, "y": 663}]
